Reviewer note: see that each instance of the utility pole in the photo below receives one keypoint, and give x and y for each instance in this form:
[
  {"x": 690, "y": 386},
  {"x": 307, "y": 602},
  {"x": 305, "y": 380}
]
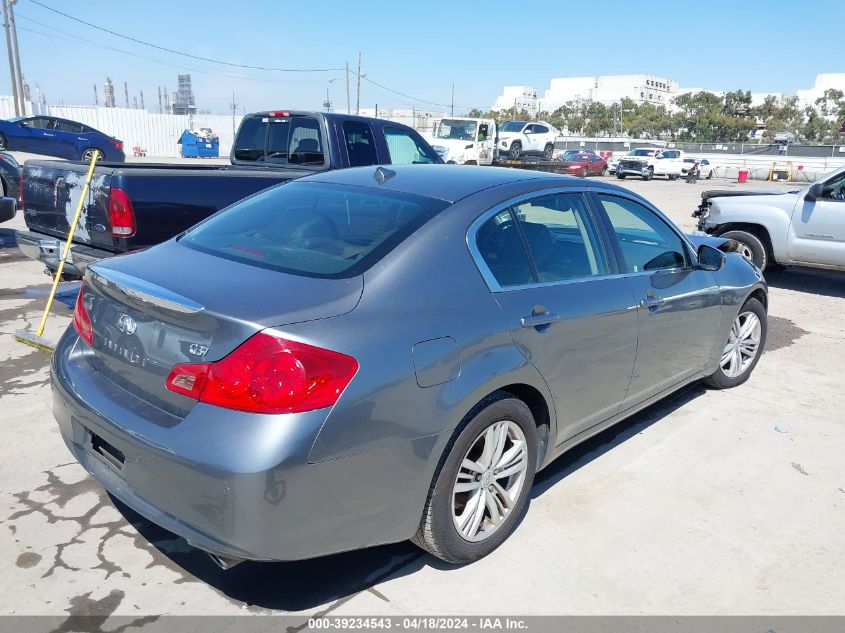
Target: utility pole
[
  {"x": 234, "y": 107},
  {"x": 358, "y": 98},
  {"x": 14, "y": 30},
  {"x": 126, "y": 93},
  {"x": 160, "y": 109},
  {"x": 12, "y": 79},
  {"x": 142, "y": 100},
  {"x": 166, "y": 101},
  {"x": 135, "y": 102},
  {"x": 348, "y": 103},
  {"x": 96, "y": 98},
  {"x": 452, "y": 109}
]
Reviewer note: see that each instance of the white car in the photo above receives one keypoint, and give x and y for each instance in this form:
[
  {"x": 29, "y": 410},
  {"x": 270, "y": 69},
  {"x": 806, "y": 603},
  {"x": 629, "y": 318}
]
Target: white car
[
  {"x": 648, "y": 162},
  {"x": 465, "y": 140},
  {"x": 803, "y": 227},
  {"x": 518, "y": 138},
  {"x": 706, "y": 169}
]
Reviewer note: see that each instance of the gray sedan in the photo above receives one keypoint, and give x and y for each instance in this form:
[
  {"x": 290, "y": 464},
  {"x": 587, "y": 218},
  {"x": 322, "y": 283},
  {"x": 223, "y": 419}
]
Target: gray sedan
[{"x": 373, "y": 355}]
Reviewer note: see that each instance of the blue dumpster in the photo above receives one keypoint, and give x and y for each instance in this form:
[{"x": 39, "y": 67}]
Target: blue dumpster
[{"x": 202, "y": 143}]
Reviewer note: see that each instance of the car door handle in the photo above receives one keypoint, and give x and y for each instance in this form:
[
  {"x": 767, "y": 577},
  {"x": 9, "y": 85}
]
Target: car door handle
[
  {"x": 45, "y": 134},
  {"x": 536, "y": 320},
  {"x": 652, "y": 301}
]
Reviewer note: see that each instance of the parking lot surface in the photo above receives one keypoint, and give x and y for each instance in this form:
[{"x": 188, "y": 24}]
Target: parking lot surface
[{"x": 710, "y": 502}]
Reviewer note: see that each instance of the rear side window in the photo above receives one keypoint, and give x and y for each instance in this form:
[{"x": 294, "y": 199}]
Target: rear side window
[
  {"x": 407, "y": 149},
  {"x": 502, "y": 249},
  {"x": 69, "y": 126},
  {"x": 359, "y": 144},
  {"x": 314, "y": 229},
  {"x": 294, "y": 140}
]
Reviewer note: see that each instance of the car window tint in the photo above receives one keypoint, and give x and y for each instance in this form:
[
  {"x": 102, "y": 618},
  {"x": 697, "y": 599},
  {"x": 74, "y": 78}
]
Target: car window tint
[
  {"x": 562, "y": 237},
  {"x": 540, "y": 129},
  {"x": 834, "y": 189},
  {"x": 405, "y": 149},
  {"x": 313, "y": 229},
  {"x": 359, "y": 144},
  {"x": 647, "y": 242},
  {"x": 501, "y": 246},
  {"x": 68, "y": 126}
]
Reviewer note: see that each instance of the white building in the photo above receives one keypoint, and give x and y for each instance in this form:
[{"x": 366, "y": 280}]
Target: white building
[
  {"x": 609, "y": 89},
  {"x": 520, "y": 97},
  {"x": 824, "y": 82}
]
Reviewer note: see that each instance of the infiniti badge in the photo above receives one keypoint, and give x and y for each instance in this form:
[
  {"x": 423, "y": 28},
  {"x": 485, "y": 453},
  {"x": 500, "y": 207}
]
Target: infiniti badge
[{"x": 126, "y": 324}]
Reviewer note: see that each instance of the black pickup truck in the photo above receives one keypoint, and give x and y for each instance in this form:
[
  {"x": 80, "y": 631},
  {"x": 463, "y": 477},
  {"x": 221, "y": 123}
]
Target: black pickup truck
[{"x": 133, "y": 206}]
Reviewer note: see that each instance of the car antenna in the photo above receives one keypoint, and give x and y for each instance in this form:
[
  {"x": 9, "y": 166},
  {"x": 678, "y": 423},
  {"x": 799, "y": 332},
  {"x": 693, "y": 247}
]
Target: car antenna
[{"x": 382, "y": 175}]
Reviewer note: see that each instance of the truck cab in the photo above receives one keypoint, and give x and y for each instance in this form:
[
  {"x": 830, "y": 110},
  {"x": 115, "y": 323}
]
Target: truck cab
[{"x": 465, "y": 140}]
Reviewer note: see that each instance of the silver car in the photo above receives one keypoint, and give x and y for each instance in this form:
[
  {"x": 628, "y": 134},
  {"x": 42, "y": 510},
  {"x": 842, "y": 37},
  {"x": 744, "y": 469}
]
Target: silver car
[{"x": 372, "y": 355}]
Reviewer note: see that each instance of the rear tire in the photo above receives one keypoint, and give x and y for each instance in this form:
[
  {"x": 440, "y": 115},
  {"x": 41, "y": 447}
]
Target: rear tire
[
  {"x": 515, "y": 150},
  {"x": 751, "y": 247},
  {"x": 548, "y": 151},
  {"x": 738, "y": 361},
  {"x": 620, "y": 176},
  {"x": 502, "y": 418},
  {"x": 673, "y": 176},
  {"x": 88, "y": 154}
]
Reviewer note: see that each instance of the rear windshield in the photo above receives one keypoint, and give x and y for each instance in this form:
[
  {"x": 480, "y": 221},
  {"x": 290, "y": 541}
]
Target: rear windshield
[
  {"x": 291, "y": 140},
  {"x": 314, "y": 229}
]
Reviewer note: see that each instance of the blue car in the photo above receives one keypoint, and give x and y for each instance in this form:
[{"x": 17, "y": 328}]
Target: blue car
[{"x": 52, "y": 136}]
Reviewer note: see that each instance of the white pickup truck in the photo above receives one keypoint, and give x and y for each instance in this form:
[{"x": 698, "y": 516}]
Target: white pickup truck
[
  {"x": 803, "y": 227},
  {"x": 648, "y": 162},
  {"x": 465, "y": 140}
]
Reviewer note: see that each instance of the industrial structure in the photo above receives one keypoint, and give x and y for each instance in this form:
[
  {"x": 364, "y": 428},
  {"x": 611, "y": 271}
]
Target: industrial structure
[{"x": 183, "y": 98}]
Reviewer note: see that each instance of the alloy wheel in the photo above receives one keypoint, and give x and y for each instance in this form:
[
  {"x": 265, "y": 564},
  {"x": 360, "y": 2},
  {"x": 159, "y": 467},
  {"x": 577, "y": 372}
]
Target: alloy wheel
[
  {"x": 490, "y": 480},
  {"x": 743, "y": 344}
]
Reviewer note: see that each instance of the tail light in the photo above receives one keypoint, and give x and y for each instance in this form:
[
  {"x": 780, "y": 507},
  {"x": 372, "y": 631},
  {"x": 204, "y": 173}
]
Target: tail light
[
  {"x": 278, "y": 114},
  {"x": 121, "y": 214},
  {"x": 267, "y": 374},
  {"x": 81, "y": 320},
  {"x": 20, "y": 190},
  {"x": 118, "y": 145}
]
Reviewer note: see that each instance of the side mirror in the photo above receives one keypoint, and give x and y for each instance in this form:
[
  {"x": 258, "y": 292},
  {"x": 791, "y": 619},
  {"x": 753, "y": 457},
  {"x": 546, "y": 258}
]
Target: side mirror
[
  {"x": 8, "y": 207},
  {"x": 815, "y": 191},
  {"x": 710, "y": 258}
]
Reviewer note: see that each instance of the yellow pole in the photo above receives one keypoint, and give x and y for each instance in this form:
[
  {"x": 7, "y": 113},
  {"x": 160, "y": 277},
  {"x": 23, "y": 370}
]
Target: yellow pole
[{"x": 66, "y": 250}]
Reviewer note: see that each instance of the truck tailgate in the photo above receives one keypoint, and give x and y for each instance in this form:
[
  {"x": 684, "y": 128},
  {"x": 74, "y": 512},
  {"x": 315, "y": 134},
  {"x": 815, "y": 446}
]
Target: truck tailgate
[{"x": 51, "y": 192}]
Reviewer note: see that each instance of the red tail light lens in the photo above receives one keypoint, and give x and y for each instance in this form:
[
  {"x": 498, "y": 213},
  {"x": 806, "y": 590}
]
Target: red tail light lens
[
  {"x": 81, "y": 320},
  {"x": 267, "y": 374},
  {"x": 121, "y": 214},
  {"x": 278, "y": 113},
  {"x": 118, "y": 145}
]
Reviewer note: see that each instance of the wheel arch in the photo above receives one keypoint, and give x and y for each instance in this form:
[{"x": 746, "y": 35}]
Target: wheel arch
[{"x": 759, "y": 230}]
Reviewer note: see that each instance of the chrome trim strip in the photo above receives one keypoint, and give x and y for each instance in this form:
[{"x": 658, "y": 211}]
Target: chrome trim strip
[{"x": 143, "y": 290}]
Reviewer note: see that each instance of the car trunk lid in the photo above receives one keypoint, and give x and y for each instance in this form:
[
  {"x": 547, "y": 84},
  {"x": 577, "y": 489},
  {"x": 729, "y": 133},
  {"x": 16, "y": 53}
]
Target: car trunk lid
[{"x": 146, "y": 319}]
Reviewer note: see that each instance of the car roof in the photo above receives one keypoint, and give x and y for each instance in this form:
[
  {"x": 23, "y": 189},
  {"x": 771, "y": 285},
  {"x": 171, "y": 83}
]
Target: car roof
[{"x": 449, "y": 183}]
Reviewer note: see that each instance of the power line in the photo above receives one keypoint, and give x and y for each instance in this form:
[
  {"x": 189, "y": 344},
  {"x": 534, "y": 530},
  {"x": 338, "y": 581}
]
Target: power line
[{"x": 175, "y": 52}]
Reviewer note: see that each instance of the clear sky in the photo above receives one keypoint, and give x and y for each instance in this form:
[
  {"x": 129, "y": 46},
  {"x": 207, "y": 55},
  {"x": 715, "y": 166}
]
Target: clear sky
[{"x": 418, "y": 48}]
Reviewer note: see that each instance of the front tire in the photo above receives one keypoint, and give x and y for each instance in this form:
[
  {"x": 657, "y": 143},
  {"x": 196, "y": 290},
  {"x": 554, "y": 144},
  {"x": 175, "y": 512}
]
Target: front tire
[
  {"x": 751, "y": 247},
  {"x": 482, "y": 484},
  {"x": 649, "y": 173},
  {"x": 745, "y": 345},
  {"x": 584, "y": 172},
  {"x": 620, "y": 175},
  {"x": 515, "y": 150}
]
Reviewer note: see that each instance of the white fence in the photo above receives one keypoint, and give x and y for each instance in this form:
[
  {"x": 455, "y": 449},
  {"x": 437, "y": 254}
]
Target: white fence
[{"x": 157, "y": 133}]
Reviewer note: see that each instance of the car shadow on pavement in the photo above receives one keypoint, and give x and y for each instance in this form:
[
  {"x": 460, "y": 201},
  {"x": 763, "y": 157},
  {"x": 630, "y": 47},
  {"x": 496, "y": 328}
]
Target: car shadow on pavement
[
  {"x": 828, "y": 283},
  {"x": 325, "y": 582},
  {"x": 582, "y": 454}
]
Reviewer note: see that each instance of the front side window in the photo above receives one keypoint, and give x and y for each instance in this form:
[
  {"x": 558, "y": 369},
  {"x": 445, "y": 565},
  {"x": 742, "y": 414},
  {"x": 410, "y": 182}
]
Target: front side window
[
  {"x": 834, "y": 189},
  {"x": 313, "y": 229},
  {"x": 359, "y": 144},
  {"x": 512, "y": 126},
  {"x": 406, "y": 148},
  {"x": 562, "y": 237},
  {"x": 647, "y": 242}
]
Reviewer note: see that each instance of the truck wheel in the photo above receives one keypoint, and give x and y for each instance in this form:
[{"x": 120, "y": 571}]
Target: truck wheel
[
  {"x": 743, "y": 348},
  {"x": 548, "y": 151},
  {"x": 649, "y": 173},
  {"x": 750, "y": 247},
  {"x": 515, "y": 150}
]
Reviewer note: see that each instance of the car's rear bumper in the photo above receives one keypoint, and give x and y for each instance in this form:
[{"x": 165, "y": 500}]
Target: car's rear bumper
[
  {"x": 234, "y": 484},
  {"x": 47, "y": 250}
]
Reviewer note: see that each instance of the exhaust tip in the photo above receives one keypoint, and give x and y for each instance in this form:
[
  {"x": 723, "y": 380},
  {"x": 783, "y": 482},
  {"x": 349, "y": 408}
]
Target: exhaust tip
[{"x": 224, "y": 562}]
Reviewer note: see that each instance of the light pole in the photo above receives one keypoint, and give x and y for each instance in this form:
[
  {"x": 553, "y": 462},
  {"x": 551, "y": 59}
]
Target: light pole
[{"x": 327, "y": 104}]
